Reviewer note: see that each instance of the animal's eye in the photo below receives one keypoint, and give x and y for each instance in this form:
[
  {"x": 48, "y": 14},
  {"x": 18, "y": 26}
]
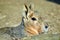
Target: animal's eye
[
  {"x": 46, "y": 27},
  {"x": 33, "y": 19}
]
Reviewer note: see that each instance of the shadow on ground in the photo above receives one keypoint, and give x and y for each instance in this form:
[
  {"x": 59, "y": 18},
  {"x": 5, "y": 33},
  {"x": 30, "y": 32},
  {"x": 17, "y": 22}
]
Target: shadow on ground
[{"x": 55, "y": 1}]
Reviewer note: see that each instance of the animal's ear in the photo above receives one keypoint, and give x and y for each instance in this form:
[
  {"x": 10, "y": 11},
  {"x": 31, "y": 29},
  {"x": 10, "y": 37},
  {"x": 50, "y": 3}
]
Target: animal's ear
[
  {"x": 28, "y": 11},
  {"x": 31, "y": 7},
  {"x": 30, "y": 14},
  {"x": 31, "y": 10},
  {"x": 25, "y": 11}
]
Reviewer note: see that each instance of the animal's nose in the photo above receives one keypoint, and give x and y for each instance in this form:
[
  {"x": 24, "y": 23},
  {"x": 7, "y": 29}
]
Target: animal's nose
[{"x": 46, "y": 26}]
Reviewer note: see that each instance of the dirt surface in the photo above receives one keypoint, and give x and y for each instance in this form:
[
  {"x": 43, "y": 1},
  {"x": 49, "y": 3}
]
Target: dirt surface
[{"x": 11, "y": 13}]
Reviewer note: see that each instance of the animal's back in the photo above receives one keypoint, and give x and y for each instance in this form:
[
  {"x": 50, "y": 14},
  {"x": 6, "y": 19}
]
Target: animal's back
[{"x": 17, "y": 32}]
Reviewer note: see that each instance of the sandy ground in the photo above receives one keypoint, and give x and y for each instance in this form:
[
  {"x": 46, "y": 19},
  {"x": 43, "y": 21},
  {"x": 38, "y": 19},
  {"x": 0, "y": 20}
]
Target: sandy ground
[{"x": 11, "y": 12}]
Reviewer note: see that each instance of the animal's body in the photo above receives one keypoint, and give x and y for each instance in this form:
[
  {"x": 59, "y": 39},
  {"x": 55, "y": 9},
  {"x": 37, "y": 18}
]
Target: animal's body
[{"x": 29, "y": 25}]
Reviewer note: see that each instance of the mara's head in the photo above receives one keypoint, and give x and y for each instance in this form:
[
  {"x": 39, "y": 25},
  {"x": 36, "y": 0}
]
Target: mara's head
[{"x": 32, "y": 26}]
